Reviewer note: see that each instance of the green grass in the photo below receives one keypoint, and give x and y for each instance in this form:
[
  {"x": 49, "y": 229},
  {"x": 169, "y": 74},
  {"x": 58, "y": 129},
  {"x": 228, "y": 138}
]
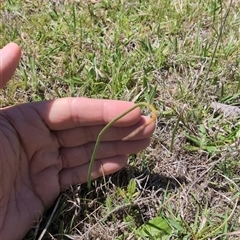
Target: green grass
[{"x": 179, "y": 55}]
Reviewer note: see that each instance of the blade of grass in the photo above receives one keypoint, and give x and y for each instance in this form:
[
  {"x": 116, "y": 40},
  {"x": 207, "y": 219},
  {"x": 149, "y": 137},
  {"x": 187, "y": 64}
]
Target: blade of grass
[{"x": 153, "y": 118}]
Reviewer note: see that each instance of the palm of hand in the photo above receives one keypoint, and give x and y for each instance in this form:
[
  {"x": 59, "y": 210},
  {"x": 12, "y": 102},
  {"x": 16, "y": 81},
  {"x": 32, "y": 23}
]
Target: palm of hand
[
  {"x": 30, "y": 155},
  {"x": 46, "y": 147}
]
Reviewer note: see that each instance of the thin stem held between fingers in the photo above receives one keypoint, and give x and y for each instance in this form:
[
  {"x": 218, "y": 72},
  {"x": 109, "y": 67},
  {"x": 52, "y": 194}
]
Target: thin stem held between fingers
[{"x": 152, "y": 119}]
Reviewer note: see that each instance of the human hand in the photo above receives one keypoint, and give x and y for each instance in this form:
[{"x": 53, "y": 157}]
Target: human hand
[{"x": 45, "y": 147}]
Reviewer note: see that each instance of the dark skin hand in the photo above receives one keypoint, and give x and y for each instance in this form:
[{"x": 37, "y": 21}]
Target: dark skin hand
[{"x": 45, "y": 147}]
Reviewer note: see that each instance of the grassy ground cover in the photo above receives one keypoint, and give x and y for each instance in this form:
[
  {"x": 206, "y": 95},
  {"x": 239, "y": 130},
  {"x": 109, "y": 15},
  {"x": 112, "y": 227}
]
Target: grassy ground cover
[{"x": 181, "y": 56}]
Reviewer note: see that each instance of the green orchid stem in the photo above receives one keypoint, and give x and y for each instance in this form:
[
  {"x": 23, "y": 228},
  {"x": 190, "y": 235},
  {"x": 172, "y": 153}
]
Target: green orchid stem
[{"x": 152, "y": 119}]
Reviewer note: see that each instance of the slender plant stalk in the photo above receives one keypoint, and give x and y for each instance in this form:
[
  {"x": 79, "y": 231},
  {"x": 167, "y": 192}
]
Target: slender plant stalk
[
  {"x": 152, "y": 119},
  {"x": 223, "y": 23}
]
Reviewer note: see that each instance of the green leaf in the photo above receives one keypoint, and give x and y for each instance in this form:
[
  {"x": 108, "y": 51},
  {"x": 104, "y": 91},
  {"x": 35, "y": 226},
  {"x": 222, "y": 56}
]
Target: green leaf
[
  {"x": 176, "y": 225},
  {"x": 109, "y": 203},
  {"x": 131, "y": 188},
  {"x": 203, "y": 133},
  {"x": 155, "y": 228}
]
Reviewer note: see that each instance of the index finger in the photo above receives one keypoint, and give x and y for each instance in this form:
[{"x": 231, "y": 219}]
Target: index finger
[{"x": 69, "y": 113}]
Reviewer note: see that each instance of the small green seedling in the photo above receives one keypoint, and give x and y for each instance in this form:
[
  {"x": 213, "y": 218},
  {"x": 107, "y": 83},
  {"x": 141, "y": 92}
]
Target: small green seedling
[{"x": 152, "y": 119}]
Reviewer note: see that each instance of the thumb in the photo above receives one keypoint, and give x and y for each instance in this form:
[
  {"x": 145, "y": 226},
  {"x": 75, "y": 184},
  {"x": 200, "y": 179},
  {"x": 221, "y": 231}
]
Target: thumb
[{"x": 9, "y": 59}]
